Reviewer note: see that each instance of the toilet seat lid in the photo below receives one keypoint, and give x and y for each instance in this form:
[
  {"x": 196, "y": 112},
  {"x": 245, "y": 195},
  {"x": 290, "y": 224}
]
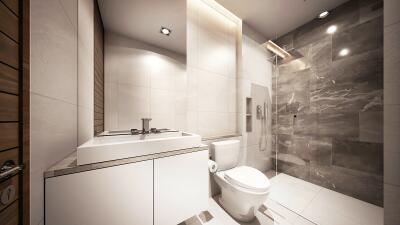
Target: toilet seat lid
[{"x": 248, "y": 177}]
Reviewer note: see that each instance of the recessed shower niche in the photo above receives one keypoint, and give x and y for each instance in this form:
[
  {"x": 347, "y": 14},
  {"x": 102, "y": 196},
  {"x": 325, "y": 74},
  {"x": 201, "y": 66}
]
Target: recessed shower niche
[{"x": 249, "y": 116}]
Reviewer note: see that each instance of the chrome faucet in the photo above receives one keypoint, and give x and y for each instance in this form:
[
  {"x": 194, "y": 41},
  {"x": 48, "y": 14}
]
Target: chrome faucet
[{"x": 146, "y": 125}]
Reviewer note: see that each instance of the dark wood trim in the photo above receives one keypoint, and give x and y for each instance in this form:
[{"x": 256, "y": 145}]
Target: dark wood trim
[
  {"x": 8, "y": 136},
  {"x": 98, "y": 70},
  {"x": 9, "y": 51},
  {"x": 10, "y": 28},
  {"x": 8, "y": 107},
  {"x": 10, "y": 214},
  {"x": 12, "y": 181},
  {"x": 25, "y": 112},
  {"x": 12, "y": 5},
  {"x": 14, "y": 105},
  {"x": 8, "y": 79}
]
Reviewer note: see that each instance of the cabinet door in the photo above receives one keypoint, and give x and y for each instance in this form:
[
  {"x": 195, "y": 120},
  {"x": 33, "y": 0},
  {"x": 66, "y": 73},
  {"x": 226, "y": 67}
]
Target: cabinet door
[
  {"x": 180, "y": 187},
  {"x": 120, "y": 195}
]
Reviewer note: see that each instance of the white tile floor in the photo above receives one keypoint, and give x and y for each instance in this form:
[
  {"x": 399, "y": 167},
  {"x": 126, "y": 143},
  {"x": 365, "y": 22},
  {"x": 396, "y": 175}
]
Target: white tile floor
[{"x": 293, "y": 201}]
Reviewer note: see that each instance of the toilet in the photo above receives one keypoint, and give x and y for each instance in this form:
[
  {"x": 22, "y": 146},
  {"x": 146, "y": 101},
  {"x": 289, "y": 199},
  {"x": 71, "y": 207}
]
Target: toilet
[{"x": 243, "y": 188}]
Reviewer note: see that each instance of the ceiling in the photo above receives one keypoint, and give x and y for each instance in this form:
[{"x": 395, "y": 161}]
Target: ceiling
[
  {"x": 142, "y": 20},
  {"x": 273, "y": 18}
]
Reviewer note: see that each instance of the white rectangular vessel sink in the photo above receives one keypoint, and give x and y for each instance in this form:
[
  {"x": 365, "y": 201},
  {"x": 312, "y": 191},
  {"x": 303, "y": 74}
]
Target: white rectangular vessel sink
[{"x": 123, "y": 145}]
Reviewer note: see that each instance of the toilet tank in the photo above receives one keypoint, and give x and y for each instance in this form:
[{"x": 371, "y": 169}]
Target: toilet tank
[{"x": 225, "y": 153}]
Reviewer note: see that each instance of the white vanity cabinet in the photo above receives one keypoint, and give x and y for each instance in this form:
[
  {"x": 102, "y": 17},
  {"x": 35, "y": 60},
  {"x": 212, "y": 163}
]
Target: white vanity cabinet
[
  {"x": 161, "y": 191},
  {"x": 180, "y": 187},
  {"x": 115, "y": 195}
]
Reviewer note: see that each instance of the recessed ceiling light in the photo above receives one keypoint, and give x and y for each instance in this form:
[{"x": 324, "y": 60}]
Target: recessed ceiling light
[
  {"x": 344, "y": 52},
  {"x": 165, "y": 31},
  {"x": 323, "y": 14},
  {"x": 331, "y": 29}
]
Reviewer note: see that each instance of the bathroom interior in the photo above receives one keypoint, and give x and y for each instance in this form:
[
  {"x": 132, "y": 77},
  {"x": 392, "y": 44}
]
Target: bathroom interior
[{"x": 191, "y": 112}]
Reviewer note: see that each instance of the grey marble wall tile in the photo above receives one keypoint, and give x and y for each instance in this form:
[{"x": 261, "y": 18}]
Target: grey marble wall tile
[
  {"x": 353, "y": 84},
  {"x": 293, "y": 90},
  {"x": 344, "y": 16},
  {"x": 361, "y": 156},
  {"x": 300, "y": 147},
  {"x": 274, "y": 141},
  {"x": 286, "y": 108},
  {"x": 338, "y": 125},
  {"x": 375, "y": 194},
  {"x": 361, "y": 38},
  {"x": 283, "y": 124},
  {"x": 293, "y": 66},
  {"x": 345, "y": 98},
  {"x": 371, "y": 126},
  {"x": 370, "y": 9},
  {"x": 285, "y": 41},
  {"x": 194, "y": 220},
  {"x": 364, "y": 186},
  {"x": 358, "y": 69},
  {"x": 321, "y": 97},
  {"x": 305, "y": 124},
  {"x": 321, "y": 151},
  {"x": 294, "y": 145},
  {"x": 205, "y": 216},
  {"x": 299, "y": 171},
  {"x": 301, "y": 124},
  {"x": 283, "y": 142},
  {"x": 320, "y": 58}
]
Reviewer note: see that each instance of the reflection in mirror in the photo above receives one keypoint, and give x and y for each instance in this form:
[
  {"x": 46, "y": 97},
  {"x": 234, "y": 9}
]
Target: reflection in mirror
[{"x": 144, "y": 63}]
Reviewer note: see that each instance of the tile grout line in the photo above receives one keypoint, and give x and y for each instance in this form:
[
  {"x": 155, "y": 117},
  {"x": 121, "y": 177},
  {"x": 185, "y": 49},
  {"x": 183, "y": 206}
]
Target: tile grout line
[{"x": 311, "y": 201}]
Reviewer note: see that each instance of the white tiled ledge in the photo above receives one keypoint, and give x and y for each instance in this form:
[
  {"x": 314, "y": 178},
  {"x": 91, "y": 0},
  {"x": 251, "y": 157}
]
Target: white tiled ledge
[
  {"x": 220, "y": 137},
  {"x": 69, "y": 166}
]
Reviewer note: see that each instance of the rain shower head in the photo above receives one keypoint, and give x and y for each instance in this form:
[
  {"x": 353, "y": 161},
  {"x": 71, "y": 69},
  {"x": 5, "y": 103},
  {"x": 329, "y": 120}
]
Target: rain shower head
[{"x": 270, "y": 45}]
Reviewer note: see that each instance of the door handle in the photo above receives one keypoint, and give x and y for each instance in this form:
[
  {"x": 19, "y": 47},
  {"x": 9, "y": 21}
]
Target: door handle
[{"x": 9, "y": 169}]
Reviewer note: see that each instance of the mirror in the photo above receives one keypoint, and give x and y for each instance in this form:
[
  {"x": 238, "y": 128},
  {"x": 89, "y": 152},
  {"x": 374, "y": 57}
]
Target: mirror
[
  {"x": 144, "y": 62},
  {"x": 145, "y": 71}
]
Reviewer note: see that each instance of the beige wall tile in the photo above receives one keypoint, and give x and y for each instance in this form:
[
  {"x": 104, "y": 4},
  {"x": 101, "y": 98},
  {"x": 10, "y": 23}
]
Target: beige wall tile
[
  {"x": 391, "y": 204},
  {"x": 111, "y": 106},
  {"x": 130, "y": 67},
  {"x": 85, "y": 77},
  {"x": 70, "y": 8},
  {"x": 85, "y": 124},
  {"x": 85, "y": 70},
  {"x": 53, "y": 91},
  {"x": 211, "y": 54},
  {"x": 53, "y": 136},
  {"x": 391, "y": 54},
  {"x": 132, "y": 99},
  {"x": 391, "y": 9},
  {"x": 216, "y": 54},
  {"x": 85, "y": 23},
  {"x": 150, "y": 82},
  {"x": 53, "y": 52},
  {"x": 391, "y": 112},
  {"x": 392, "y": 168},
  {"x": 392, "y": 127},
  {"x": 192, "y": 122},
  {"x": 391, "y": 139},
  {"x": 162, "y": 102},
  {"x": 391, "y": 93}
]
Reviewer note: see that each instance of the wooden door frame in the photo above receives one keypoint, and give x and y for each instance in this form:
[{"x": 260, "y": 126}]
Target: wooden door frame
[{"x": 24, "y": 114}]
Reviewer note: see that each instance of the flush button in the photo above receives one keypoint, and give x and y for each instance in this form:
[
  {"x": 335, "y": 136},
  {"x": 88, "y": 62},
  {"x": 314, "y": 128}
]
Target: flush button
[{"x": 7, "y": 195}]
